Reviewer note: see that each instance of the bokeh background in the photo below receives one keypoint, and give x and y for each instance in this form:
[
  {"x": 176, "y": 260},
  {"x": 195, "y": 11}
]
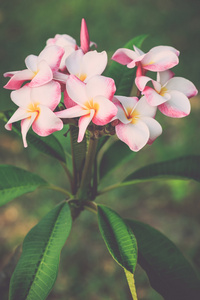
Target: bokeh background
[{"x": 87, "y": 271}]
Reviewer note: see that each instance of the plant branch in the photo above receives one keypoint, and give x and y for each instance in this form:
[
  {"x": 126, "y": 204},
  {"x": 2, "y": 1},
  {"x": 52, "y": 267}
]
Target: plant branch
[{"x": 59, "y": 189}]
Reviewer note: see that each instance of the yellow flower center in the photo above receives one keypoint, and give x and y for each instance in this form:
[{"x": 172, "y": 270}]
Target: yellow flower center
[
  {"x": 132, "y": 115},
  {"x": 163, "y": 91},
  {"x": 82, "y": 77},
  {"x": 33, "y": 107}
]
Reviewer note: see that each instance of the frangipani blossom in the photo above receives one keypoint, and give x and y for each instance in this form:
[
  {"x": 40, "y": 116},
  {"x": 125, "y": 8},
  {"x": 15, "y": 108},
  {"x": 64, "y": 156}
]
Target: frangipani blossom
[
  {"x": 92, "y": 102},
  {"x": 158, "y": 59},
  {"x": 36, "y": 107},
  {"x": 137, "y": 125},
  {"x": 170, "y": 93},
  {"x": 67, "y": 43},
  {"x": 84, "y": 66},
  {"x": 39, "y": 70}
]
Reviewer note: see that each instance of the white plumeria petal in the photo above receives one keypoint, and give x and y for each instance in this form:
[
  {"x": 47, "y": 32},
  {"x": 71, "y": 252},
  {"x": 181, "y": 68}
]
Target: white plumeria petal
[
  {"x": 44, "y": 75},
  {"x": 18, "y": 79},
  {"x": 22, "y": 97},
  {"x": 18, "y": 115},
  {"x": 48, "y": 94},
  {"x": 93, "y": 63},
  {"x": 124, "y": 56},
  {"x": 138, "y": 51},
  {"x": 121, "y": 115},
  {"x": 31, "y": 62},
  {"x": 155, "y": 128},
  {"x": 76, "y": 90},
  {"x": 25, "y": 126},
  {"x": 52, "y": 55},
  {"x": 68, "y": 101},
  {"x": 46, "y": 122},
  {"x": 68, "y": 50},
  {"x": 182, "y": 85},
  {"x": 164, "y": 77},
  {"x": 72, "y": 112},
  {"x": 135, "y": 135},
  {"x": 62, "y": 40},
  {"x": 10, "y": 74},
  {"x": 128, "y": 103},
  {"x": 100, "y": 86},
  {"x": 177, "y": 107},
  {"x": 153, "y": 98},
  {"x": 105, "y": 110},
  {"x": 159, "y": 59},
  {"x": 73, "y": 62},
  {"x": 144, "y": 109},
  {"x": 83, "y": 124}
]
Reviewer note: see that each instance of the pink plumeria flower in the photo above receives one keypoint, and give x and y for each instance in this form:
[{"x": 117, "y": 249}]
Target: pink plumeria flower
[
  {"x": 170, "y": 94},
  {"x": 36, "y": 107},
  {"x": 86, "y": 44},
  {"x": 40, "y": 69},
  {"x": 137, "y": 125},
  {"x": 92, "y": 102},
  {"x": 84, "y": 66},
  {"x": 67, "y": 43},
  {"x": 158, "y": 59}
]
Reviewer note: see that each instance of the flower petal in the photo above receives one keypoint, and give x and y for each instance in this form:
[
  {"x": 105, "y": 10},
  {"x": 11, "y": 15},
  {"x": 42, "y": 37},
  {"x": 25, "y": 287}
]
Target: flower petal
[
  {"x": 18, "y": 79},
  {"x": 73, "y": 112},
  {"x": 100, "y": 86},
  {"x": 46, "y": 122},
  {"x": 83, "y": 124},
  {"x": 128, "y": 103},
  {"x": 25, "y": 126},
  {"x": 135, "y": 135},
  {"x": 76, "y": 90},
  {"x": 145, "y": 109},
  {"x": 73, "y": 62},
  {"x": 177, "y": 107},
  {"x": 31, "y": 62},
  {"x": 44, "y": 74},
  {"x": 124, "y": 56},
  {"x": 164, "y": 77},
  {"x": 22, "y": 97},
  {"x": 84, "y": 37},
  {"x": 153, "y": 98},
  {"x": 105, "y": 110},
  {"x": 182, "y": 85},
  {"x": 52, "y": 55},
  {"x": 93, "y": 63},
  {"x": 18, "y": 115},
  {"x": 48, "y": 94},
  {"x": 159, "y": 59},
  {"x": 155, "y": 128}
]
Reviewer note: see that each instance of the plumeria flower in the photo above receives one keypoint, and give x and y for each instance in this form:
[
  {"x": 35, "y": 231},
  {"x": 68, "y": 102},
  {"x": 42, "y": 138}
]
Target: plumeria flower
[
  {"x": 67, "y": 43},
  {"x": 137, "y": 125},
  {"x": 170, "y": 93},
  {"x": 84, "y": 66},
  {"x": 36, "y": 106},
  {"x": 158, "y": 59},
  {"x": 92, "y": 102},
  {"x": 40, "y": 69}
]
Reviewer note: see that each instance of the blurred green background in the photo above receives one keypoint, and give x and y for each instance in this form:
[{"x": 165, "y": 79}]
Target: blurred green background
[{"x": 87, "y": 271}]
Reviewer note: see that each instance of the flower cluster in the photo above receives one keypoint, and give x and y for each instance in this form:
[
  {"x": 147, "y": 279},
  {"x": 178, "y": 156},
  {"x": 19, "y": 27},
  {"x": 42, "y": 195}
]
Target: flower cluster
[{"x": 89, "y": 97}]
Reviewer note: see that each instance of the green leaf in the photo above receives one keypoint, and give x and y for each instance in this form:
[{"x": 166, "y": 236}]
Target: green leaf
[
  {"x": 118, "y": 237},
  {"x": 37, "y": 268},
  {"x": 15, "y": 182},
  {"x": 124, "y": 77},
  {"x": 169, "y": 272},
  {"x": 115, "y": 155},
  {"x": 48, "y": 145},
  {"x": 120, "y": 241},
  {"x": 186, "y": 167}
]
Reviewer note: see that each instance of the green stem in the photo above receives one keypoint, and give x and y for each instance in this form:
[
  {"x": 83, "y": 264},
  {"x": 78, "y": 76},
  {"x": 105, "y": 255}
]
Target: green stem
[
  {"x": 87, "y": 170},
  {"x": 69, "y": 175},
  {"x": 91, "y": 206},
  {"x": 110, "y": 188},
  {"x": 59, "y": 189}
]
